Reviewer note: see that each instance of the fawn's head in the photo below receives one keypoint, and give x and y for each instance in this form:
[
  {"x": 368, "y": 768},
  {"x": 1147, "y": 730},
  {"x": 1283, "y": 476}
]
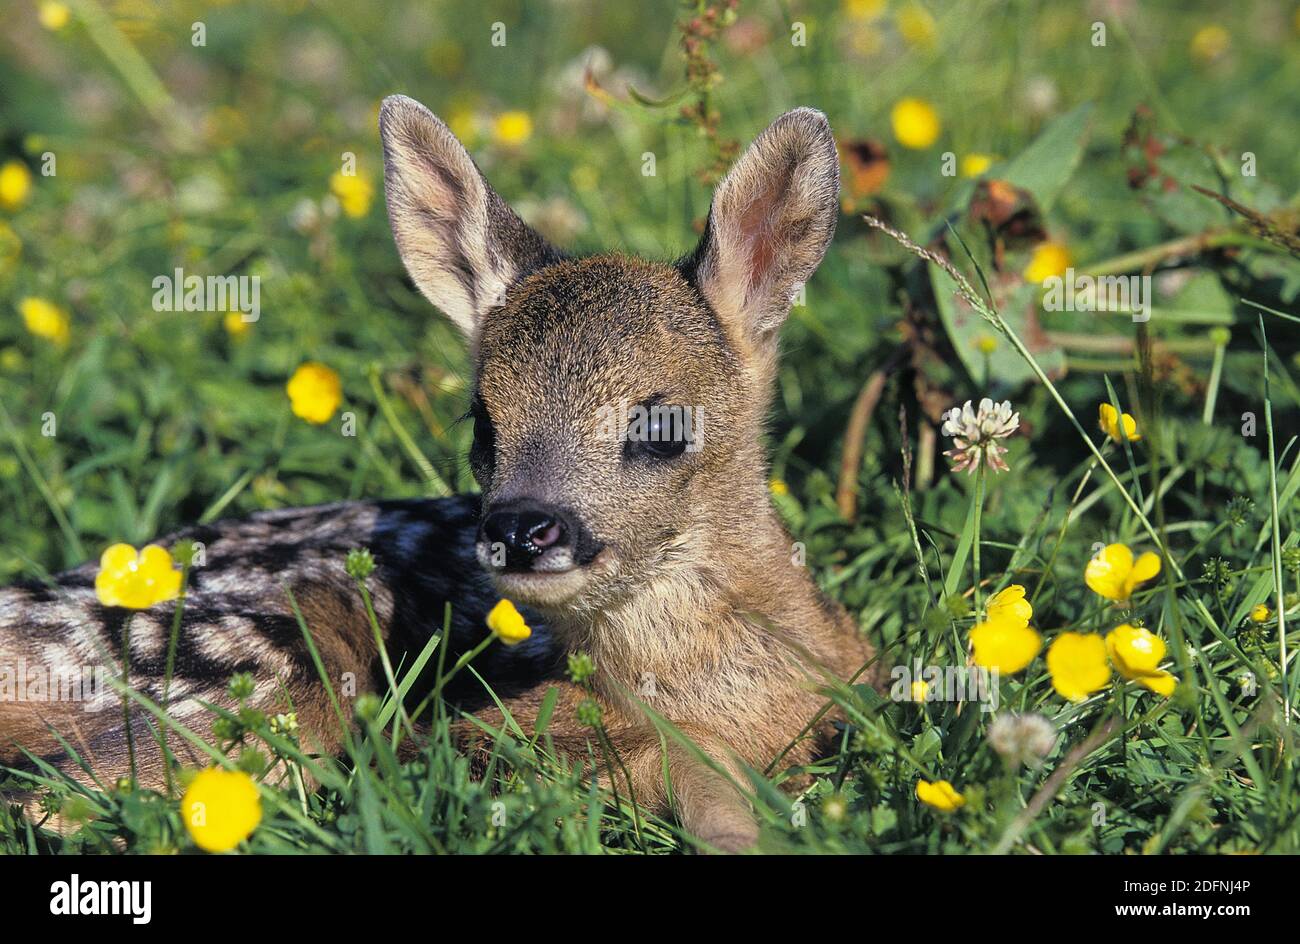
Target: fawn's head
[{"x": 618, "y": 404}]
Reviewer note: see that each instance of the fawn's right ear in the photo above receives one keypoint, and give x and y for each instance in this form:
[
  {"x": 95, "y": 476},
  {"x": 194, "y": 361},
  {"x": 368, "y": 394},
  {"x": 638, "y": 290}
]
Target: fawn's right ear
[{"x": 463, "y": 246}]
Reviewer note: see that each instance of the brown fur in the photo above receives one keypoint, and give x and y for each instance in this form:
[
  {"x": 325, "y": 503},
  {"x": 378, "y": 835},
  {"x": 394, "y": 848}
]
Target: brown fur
[
  {"x": 694, "y": 584},
  {"x": 697, "y": 586}
]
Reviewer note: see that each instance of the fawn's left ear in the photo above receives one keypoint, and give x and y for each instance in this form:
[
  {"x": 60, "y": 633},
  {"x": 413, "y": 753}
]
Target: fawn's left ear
[{"x": 771, "y": 220}]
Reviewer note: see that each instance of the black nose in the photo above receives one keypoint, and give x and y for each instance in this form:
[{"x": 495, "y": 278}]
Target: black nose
[{"x": 518, "y": 534}]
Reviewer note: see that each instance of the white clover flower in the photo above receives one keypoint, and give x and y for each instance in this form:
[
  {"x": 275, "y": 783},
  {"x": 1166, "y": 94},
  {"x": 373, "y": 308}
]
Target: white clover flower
[
  {"x": 1022, "y": 739},
  {"x": 975, "y": 434}
]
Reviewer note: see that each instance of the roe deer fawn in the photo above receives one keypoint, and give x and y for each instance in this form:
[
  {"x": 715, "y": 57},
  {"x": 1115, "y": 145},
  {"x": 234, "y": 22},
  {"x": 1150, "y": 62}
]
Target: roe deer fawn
[{"x": 649, "y": 542}]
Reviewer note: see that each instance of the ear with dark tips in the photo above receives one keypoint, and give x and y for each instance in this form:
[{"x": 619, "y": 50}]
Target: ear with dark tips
[
  {"x": 463, "y": 246},
  {"x": 770, "y": 223}
]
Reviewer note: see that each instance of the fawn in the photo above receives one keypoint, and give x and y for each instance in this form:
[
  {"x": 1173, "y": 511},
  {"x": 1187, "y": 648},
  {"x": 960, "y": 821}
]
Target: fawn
[{"x": 655, "y": 549}]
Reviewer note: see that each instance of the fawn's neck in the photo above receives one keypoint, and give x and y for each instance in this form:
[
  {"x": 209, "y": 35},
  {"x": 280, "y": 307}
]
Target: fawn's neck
[{"x": 737, "y": 602}]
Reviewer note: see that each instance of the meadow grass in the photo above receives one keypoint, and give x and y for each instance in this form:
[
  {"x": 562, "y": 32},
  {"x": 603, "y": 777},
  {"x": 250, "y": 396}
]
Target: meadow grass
[{"x": 221, "y": 159}]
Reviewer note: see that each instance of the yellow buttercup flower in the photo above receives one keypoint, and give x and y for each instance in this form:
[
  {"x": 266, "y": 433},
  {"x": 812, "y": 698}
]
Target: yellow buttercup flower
[
  {"x": 1004, "y": 646},
  {"x": 1004, "y": 640},
  {"x": 1136, "y": 653},
  {"x": 15, "y": 184},
  {"x": 1113, "y": 573},
  {"x": 986, "y": 344},
  {"x": 353, "y": 191},
  {"x": 508, "y": 624},
  {"x": 863, "y": 9},
  {"x": 939, "y": 795},
  {"x": 235, "y": 324},
  {"x": 1260, "y": 613},
  {"x": 1118, "y": 426},
  {"x": 315, "y": 392},
  {"x": 1009, "y": 606},
  {"x": 1048, "y": 260},
  {"x": 45, "y": 319},
  {"x": 1077, "y": 663},
  {"x": 221, "y": 809},
  {"x": 916, "y": 26},
  {"x": 1210, "y": 43},
  {"x": 53, "y": 16},
  {"x": 916, "y": 123},
  {"x": 920, "y": 689},
  {"x": 136, "y": 581},
  {"x": 512, "y": 128},
  {"x": 778, "y": 487},
  {"x": 972, "y": 165}
]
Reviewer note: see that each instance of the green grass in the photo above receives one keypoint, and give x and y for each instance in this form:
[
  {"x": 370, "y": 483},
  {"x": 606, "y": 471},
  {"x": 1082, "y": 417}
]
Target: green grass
[{"x": 218, "y": 159}]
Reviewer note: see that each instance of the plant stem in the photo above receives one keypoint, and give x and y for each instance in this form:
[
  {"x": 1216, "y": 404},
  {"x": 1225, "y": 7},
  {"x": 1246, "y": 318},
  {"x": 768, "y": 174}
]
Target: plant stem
[
  {"x": 975, "y": 542},
  {"x": 1216, "y": 377},
  {"x": 846, "y": 493},
  {"x": 1065, "y": 524},
  {"x": 389, "y": 675},
  {"x": 435, "y": 482},
  {"x": 463, "y": 661},
  {"x": 1279, "y": 596},
  {"x": 170, "y": 666},
  {"x": 1151, "y": 256},
  {"x": 126, "y": 702}
]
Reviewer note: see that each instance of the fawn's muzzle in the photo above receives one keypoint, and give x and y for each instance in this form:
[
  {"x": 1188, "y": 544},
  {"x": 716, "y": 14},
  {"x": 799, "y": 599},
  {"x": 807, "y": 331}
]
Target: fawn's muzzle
[{"x": 519, "y": 535}]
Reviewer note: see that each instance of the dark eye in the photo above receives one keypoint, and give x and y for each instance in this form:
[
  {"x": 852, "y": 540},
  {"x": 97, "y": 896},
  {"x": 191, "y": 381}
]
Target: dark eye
[
  {"x": 658, "y": 431},
  {"x": 482, "y": 455}
]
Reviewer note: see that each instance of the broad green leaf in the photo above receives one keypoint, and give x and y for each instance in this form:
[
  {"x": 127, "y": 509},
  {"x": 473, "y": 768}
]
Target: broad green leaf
[{"x": 1047, "y": 164}]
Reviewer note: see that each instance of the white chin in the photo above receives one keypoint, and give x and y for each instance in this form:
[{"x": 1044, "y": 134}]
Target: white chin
[{"x": 541, "y": 588}]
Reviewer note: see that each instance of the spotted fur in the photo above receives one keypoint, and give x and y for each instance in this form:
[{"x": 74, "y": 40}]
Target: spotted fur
[
  {"x": 692, "y": 583},
  {"x": 237, "y": 617}
]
